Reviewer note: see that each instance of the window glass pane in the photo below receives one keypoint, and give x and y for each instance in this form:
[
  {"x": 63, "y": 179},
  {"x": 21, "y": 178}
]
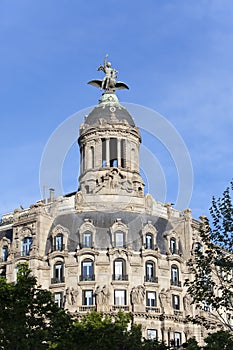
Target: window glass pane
[
  {"x": 58, "y": 299},
  {"x": 177, "y": 338},
  {"x": 4, "y": 253},
  {"x": 151, "y": 299},
  {"x": 26, "y": 246},
  {"x": 88, "y": 297},
  {"x": 175, "y": 275},
  {"x": 149, "y": 270},
  {"x": 118, "y": 268},
  {"x": 173, "y": 245},
  {"x": 58, "y": 271},
  {"x": 119, "y": 239},
  {"x": 58, "y": 242},
  {"x": 148, "y": 241},
  {"x": 151, "y": 333},
  {"x": 120, "y": 297},
  {"x": 87, "y": 239},
  {"x": 87, "y": 268}
]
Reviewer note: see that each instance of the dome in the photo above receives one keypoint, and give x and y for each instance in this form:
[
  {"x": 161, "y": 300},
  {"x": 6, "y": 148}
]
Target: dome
[{"x": 109, "y": 107}]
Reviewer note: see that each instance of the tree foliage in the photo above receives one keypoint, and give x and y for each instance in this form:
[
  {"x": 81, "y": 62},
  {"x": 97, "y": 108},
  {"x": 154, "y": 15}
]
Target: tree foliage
[
  {"x": 29, "y": 319},
  {"x": 213, "y": 265}
]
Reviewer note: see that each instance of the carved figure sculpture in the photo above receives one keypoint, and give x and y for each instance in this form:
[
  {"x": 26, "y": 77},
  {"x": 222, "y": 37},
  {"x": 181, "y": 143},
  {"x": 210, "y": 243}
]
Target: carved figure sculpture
[
  {"x": 109, "y": 82},
  {"x": 138, "y": 294}
]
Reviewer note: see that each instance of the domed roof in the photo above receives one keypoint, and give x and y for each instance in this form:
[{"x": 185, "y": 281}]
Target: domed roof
[{"x": 109, "y": 109}]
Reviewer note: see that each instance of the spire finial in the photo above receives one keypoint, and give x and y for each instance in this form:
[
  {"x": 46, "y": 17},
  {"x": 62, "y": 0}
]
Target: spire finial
[{"x": 109, "y": 83}]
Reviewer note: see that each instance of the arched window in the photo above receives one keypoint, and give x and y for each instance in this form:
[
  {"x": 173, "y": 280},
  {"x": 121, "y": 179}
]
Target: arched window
[
  {"x": 58, "y": 242},
  {"x": 87, "y": 239},
  {"x": 173, "y": 248},
  {"x": 150, "y": 272},
  {"x": 149, "y": 241},
  {"x": 119, "y": 270},
  {"x": 87, "y": 270},
  {"x": 175, "y": 276},
  {"x": 119, "y": 239},
  {"x": 58, "y": 274},
  {"x": 26, "y": 246}
]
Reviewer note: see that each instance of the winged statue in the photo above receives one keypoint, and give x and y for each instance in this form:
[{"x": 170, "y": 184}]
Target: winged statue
[{"x": 109, "y": 82}]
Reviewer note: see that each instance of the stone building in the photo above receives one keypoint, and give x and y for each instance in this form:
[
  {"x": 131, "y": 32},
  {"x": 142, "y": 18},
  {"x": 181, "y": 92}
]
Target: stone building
[{"x": 108, "y": 246}]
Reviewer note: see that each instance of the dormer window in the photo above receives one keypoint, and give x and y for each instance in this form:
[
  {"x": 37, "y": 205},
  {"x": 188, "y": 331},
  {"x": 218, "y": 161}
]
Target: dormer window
[
  {"x": 149, "y": 241},
  {"x": 26, "y": 246},
  {"x": 173, "y": 248},
  {"x": 58, "y": 242},
  {"x": 87, "y": 239},
  {"x": 119, "y": 239}
]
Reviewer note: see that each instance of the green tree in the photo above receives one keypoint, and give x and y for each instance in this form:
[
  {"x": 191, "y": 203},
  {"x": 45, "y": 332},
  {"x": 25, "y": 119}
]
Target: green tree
[
  {"x": 220, "y": 340},
  {"x": 213, "y": 265},
  {"x": 29, "y": 318}
]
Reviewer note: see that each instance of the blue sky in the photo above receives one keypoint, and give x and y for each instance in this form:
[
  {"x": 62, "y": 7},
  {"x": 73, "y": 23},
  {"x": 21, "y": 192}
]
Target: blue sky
[{"x": 176, "y": 56}]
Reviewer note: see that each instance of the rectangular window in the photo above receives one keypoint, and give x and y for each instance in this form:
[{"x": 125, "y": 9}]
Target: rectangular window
[
  {"x": 87, "y": 268},
  {"x": 58, "y": 243},
  {"x": 120, "y": 297},
  {"x": 26, "y": 246},
  {"x": 177, "y": 339},
  {"x": 173, "y": 246},
  {"x": 88, "y": 297},
  {"x": 118, "y": 265},
  {"x": 176, "y": 302},
  {"x": 58, "y": 299},
  {"x": 151, "y": 299},
  {"x": 87, "y": 240},
  {"x": 149, "y": 242},
  {"x": 119, "y": 239},
  {"x": 152, "y": 334}
]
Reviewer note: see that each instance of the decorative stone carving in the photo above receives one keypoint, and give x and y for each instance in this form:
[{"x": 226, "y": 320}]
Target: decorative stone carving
[
  {"x": 70, "y": 297},
  {"x": 112, "y": 181},
  {"x": 187, "y": 303},
  {"x": 138, "y": 294},
  {"x": 165, "y": 299},
  {"x": 102, "y": 298}
]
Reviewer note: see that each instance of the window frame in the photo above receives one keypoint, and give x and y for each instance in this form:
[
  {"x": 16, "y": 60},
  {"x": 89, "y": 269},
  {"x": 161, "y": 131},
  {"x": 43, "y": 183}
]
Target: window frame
[
  {"x": 88, "y": 265},
  {"x": 58, "y": 302},
  {"x": 176, "y": 302},
  {"x": 149, "y": 293},
  {"x": 58, "y": 273},
  {"x": 86, "y": 299},
  {"x": 124, "y": 297},
  {"x": 25, "y": 246}
]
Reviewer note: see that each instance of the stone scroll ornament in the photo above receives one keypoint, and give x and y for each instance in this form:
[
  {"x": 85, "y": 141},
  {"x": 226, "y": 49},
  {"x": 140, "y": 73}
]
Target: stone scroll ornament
[{"x": 108, "y": 83}]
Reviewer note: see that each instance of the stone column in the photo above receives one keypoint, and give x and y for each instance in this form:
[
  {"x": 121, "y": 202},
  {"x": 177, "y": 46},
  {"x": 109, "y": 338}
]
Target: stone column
[
  {"x": 107, "y": 152},
  {"x": 118, "y": 153}
]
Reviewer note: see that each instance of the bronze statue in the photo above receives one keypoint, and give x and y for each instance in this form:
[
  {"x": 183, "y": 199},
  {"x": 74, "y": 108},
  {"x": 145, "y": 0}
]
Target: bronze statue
[{"x": 109, "y": 83}]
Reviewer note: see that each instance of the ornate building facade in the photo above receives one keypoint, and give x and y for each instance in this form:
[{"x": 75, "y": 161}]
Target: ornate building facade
[{"x": 108, "y": 246}]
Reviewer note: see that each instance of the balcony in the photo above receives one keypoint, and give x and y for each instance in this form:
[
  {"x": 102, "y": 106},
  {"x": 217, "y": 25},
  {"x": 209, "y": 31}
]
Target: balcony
[
  {"x": 178, "y": 313},
  {"x": 86, "y": 278},
  {"x": 119, "y": 277},
  {"x": 152, "y": 309},
  {"x": 55, "y": 280},
  {"x": 87, "y": 308},
  {"x": 175, "y": 283},
  {"x": 151, "y": 279},
  {"x": 120, "y": 307}
]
